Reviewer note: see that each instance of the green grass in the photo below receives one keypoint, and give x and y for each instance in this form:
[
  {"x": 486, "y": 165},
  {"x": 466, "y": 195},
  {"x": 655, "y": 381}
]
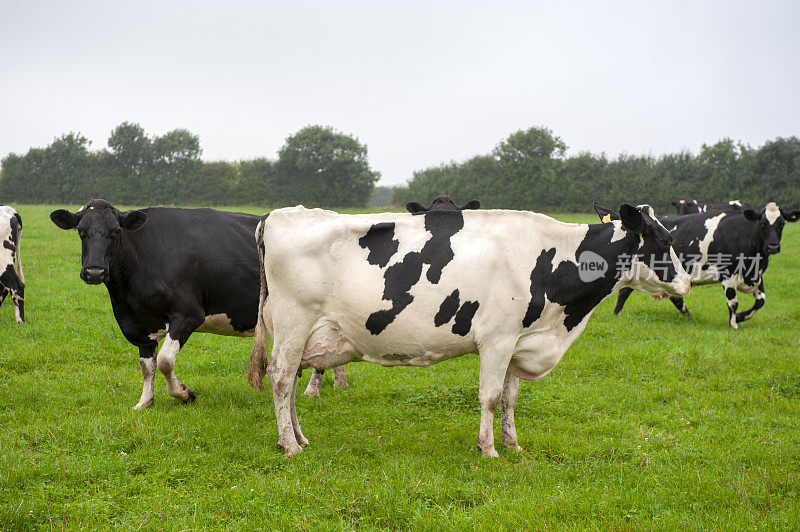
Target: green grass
[{"x": 652, "y": 420}]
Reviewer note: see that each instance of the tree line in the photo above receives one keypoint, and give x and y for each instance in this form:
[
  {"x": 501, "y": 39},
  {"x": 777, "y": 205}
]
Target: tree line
[
  {"x": 529, "y": 170},
  {"x": 317, "y": 166}
]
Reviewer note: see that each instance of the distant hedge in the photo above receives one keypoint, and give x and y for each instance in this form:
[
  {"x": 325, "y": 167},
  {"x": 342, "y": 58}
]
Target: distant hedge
[
  {"x": 529, "y": 170},
  {"x": 317, "y": 166}
]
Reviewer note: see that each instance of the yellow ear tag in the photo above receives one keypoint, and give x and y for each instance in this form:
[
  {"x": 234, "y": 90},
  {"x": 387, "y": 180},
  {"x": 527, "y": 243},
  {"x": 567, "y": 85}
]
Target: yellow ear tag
[{"x": 606, "y": 218}]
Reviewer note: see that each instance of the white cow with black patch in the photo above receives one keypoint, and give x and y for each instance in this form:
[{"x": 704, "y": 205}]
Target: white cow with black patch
[
  {"x": 12, "y": 281},
  {"x": 413, "y": 290}
]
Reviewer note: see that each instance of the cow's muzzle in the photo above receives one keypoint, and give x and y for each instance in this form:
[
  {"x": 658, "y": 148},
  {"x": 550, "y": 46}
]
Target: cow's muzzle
[
  {"x": 94, "y": 275},
  {"x": 773, "y": 249}
]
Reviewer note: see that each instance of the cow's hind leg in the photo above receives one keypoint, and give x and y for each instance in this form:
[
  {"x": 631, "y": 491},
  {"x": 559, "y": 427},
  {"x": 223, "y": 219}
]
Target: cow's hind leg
[
  {"x": 622, "y": 297},
  {"x": 761, "y": 297},
  {"x": 13, "y": 286},
  {"x": 287, "y": 351},
  {"x": 680, "y": 304},
  {"x": 176, "y": 337},
  {"x": 494, "y": 365},
  {"x": 298, "y": 434},
  {"x": 314, "y": 383},
  {"x": 147, "y": 361},
  {"x": 340, "y": 377},
  {"x": 508, "y": 402}
]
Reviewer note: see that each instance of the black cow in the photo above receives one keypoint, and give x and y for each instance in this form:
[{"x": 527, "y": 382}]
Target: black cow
[
  {"x": 694, "y": 206},
  {"x": 12, "y": 282},
  {"x": 727, "y": 247},
  {"x": 441, "y": 203},
  {"x": 169, "y": 272}
]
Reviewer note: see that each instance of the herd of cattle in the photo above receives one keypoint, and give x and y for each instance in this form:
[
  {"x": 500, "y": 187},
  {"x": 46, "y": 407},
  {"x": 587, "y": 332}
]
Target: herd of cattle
[{"x": 395, "y": 289}]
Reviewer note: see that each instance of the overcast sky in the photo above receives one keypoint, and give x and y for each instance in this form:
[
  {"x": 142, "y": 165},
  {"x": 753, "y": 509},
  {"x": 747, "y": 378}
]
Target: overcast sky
[{"x": 420, "y": 83}]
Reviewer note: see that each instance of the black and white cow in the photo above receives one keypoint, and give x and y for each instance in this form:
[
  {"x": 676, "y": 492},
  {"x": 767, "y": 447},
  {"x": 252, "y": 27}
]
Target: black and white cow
[
  {"x": 727, "y": 247},
  {"x": 169, "y": 272},
  {"x": 439, "y": 203},
  {"x": 12, "y": 281},
  {"x": 694, "y": 206},
  {"x": 398, "y": 289}
]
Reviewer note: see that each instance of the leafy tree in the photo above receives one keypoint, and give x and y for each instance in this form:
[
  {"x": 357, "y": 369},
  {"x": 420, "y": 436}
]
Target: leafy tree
[{"x": 319, "y": 166}]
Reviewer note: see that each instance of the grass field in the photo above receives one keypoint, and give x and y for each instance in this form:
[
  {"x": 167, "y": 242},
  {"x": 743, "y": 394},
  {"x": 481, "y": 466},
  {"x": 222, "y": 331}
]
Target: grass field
[{"x": 651, "y": 420}]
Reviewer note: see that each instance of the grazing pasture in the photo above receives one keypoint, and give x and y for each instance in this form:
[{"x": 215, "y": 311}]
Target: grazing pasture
[{"x": 652, "y": 419}]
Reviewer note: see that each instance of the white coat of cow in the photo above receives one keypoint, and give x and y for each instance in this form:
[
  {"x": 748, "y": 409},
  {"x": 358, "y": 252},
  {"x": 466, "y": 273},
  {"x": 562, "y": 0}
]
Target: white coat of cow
[{"x": 413, "y": 290}]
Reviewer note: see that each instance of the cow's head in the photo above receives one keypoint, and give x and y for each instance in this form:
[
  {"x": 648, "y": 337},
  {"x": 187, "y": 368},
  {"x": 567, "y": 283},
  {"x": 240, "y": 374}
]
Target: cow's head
[
  {"x": 100, "y": 227},
  {"x": 770, "y": 220},
  {"x": 686, "y": 207},
  {"x": 441, "y": 203},
  {"x": 654, "y": 267}
]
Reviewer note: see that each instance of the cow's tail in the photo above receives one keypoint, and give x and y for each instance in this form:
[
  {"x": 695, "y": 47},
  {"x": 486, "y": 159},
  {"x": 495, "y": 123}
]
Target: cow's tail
[
  {"x": 18, "y": 255},
  {"x": 258, "y": 358}
]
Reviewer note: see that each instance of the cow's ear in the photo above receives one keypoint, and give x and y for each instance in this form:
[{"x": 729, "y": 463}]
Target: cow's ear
[
  {"x": 472, "y": 204},
  {"x": 64, "y": 219},
  {"x": 632, "y": 218},
  {"x": 605, "y": 214},
  {"x": 791, "y": 216},
  {"x": 132, "y": 220},
  {"x": 414, "y": 207},
  {"x": 751, "y": 215}
]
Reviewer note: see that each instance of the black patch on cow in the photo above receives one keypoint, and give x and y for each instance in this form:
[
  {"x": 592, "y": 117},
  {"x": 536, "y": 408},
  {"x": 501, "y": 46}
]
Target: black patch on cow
[
  {"x": 437, "y": 251},
  {"x": 447, "y": 309},
  {"x": 9, "y": 245},
  {"x": 399, "y": 277},
  {"x": 464, "y": 317},
  {"x": 380, "y": 242},
  {"x": 543, "y": 268},
  {"x": 730, "y": 293}
]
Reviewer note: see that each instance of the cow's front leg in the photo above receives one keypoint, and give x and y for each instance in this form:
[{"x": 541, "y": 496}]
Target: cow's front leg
[
  {"x": 494, "y": 365},
  {"x": 508, "y": 403},
  {"x": 173, "y": 342},
  {"x": 622, "y": 297},
  {"x": 733, "y": 303},
  {"x": 314, "y": 383},
  {"x": 680, "y": 304},
  {"x": 760, "y": 299},
  {"x": 340, "y": 377},
  {"x": 147, "y": 361},
  {"x": 13, "y": 286}
]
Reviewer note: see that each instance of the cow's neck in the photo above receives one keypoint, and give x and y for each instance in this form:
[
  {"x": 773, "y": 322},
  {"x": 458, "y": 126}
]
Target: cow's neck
[
  {"x": 562, "y": 282},
  {"x": 121, "y": 268}
]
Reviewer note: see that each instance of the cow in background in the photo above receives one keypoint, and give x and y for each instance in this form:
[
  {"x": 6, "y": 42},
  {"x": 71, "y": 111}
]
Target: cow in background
[
  {"x": 12, "y": 281},
  {"x": 727, "y": 247},
  {"x": 695, "y": 207}
]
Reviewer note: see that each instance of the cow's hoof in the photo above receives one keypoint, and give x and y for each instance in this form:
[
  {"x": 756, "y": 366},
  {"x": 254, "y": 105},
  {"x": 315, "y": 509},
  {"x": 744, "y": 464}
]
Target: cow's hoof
[
  {"x": 489, "y": 452},
  {"x": 311, "y": 393},
  {"x": 340, "y": 384},
  {"x": 303, "y": 441},
  {"x": 514, "y": 446},
  {"x": 290, "y": 450},
  {"x": 190, "y": 395},
  {"x": 143, "y": 406}
]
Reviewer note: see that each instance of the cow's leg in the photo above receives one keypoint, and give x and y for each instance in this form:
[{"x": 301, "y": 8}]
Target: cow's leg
[
  {"x": 179, "y": 332},
  {"x": 3, "y": 294},
  {"x": 680, "y": 304},
  {"x": 340, "y": 377},
  {"x": 760, "y": 297},
  {"x": 622, "y": 297},
  {"x": 298, "y": 434},
  {"x": 494, "y": 364},
  {"x": 508, "y": 402},
  {"x": 16, "y": 289},
  {"x": 147, "y": 361},
  {"x": 314, "y": 383},
  {"x": 733, "y": 303},
  {"x": 287, "y": 351}
]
